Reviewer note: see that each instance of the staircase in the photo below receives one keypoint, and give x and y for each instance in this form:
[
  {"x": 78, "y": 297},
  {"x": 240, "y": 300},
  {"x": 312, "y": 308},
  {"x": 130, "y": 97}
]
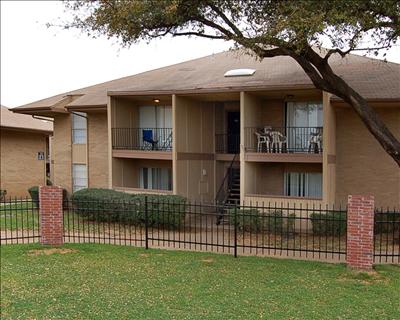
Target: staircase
[
  {"x": 233, "y": 192},
  {"x": 228, "y": 194}
]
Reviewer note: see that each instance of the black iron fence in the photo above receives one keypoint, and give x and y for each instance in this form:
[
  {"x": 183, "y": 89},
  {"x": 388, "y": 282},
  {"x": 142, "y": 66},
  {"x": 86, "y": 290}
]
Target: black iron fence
[
  {"x": 159, "y": 139},
  {"x": 258, "y": 229},
  {"x": 19, "y": 221},
  {"x": 227, "y": 143},
  {"x": 387, "y": 235},
  {"x": 283, "y": 139},
  {"x": 242, "y": 230}
]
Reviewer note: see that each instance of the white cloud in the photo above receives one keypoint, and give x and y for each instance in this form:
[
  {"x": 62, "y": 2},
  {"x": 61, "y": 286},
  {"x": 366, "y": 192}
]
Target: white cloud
[{"x": 37, "y": 62}]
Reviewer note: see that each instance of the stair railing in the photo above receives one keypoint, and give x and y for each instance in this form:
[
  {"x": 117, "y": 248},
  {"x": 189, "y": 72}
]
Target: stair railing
[{"x": 222, "y": 194}]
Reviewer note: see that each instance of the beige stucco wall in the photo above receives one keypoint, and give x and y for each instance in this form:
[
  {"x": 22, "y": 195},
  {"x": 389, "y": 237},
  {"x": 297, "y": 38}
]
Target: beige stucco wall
[
  {"x": 62, "y": 151},
  {"x": 20, "y": 168},
  {"x": 193, "y": 140},
  {"x": 97, "y": 150},
  {"x": 362, "y": 166}
]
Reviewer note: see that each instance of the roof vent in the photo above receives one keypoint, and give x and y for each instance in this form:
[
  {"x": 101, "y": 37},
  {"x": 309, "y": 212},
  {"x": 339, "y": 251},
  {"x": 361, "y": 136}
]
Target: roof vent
[{"x": 239, "y": 73}]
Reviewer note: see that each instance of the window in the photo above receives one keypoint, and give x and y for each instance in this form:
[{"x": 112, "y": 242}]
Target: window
[
  {"x": 79, "y": 128},
  {"x": 303, "y": 184},
  {"x": 155, "y": 178},
  {"x": 79, "y": 177}
]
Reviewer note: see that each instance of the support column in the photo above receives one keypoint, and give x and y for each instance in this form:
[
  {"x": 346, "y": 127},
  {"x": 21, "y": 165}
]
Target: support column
[
  {"x": 51, "y": 215},
  {"x": 360, "y": 232}
]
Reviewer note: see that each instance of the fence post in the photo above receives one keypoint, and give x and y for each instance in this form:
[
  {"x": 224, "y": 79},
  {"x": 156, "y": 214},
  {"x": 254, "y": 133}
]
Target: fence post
[
  {"x": 51, "y": 215},
  {"x": 146, "y": 222},
  {"x": 235, "y": 233},
  {"x": 360, "y": 232}
]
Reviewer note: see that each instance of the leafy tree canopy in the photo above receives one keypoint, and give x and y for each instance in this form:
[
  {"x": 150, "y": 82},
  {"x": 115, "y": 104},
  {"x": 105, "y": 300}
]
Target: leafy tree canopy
[{"x": 267, "y": 28}]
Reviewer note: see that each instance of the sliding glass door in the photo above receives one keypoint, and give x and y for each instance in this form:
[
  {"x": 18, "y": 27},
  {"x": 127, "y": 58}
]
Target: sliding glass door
[
  {"x": 157, "y": 121},
  {"x": 303, "y": 119}
]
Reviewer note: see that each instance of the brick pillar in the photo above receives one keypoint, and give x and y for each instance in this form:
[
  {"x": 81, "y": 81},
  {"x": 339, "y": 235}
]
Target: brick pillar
[
  {"x": 51, "y": 215},
  {"x": 360, "y": 232}
]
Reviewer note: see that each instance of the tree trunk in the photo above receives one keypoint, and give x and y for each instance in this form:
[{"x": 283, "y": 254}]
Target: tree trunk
[
  {"x": 324, "y": 78},
  {"x": 369, "y": 117}
]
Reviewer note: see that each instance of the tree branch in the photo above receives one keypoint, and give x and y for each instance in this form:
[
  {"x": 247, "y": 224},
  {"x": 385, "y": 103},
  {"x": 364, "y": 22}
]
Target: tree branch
[
  {"x": 198, "y": 34},
  {"x": 226, "y": 20}
]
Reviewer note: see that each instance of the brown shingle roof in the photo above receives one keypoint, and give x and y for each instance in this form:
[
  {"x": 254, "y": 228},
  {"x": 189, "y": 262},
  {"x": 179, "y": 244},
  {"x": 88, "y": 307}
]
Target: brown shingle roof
[
  {"x": 8, "y": 119},
  {"x": 372, "y": 78}
]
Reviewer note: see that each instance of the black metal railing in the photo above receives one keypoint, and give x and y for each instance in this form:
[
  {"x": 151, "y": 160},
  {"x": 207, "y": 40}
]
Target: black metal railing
[
  {"x": 283, "y": 139},
  {"x": 227, "y": 143},
  {"x": 272, "y": 229},
  {"x": 158, "y": 139},
  {"x": 19, "y": 221},
  {"x": 387, "y": 235},
  {"x": 318, "y": 232},
  {"x": 225, "y": 184}
]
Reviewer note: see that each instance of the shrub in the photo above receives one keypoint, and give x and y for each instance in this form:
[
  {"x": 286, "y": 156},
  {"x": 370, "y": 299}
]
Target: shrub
[
  {"x": 253, "y": 220},
  {"x": 246, "y": 219},
  {"x": 114, "y": 206},
  {"x": 34, "y": 193},
  {"x": 330, "y": 223},
  {"x": 3, "y": 194},
  {"x": 387, "y": 222}
]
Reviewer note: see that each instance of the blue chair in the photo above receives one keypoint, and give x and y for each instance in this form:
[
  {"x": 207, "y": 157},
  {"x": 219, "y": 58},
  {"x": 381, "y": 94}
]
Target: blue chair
[{"x": 148, "y": 137}]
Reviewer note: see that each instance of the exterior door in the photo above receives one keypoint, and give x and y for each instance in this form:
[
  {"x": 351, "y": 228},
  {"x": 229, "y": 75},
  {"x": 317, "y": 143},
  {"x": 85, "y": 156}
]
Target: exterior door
[{"x": 233, "y": 137}]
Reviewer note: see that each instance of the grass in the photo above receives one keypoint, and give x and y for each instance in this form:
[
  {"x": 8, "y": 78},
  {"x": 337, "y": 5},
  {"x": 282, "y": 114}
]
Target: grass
[
  {"x": 112, "y": 282},
  {"x": 19, "y": 215}
]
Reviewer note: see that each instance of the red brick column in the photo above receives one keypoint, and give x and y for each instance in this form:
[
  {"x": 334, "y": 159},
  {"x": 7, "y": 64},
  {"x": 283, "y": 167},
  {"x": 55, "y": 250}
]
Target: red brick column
[
  {"x": 51, "y": 215},
  {"x": 360, "y": 232}
]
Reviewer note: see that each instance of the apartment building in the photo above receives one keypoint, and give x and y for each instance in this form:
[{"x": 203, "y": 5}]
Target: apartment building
[
  {"x": 228, "y": 127},
  {"x": 24, "y": 152}
]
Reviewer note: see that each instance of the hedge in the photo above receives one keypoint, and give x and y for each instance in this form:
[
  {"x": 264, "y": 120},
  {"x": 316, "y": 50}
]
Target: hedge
[
  {"x": 107, "y": 205},
  {"x": 387, "y": 222},
  {"x": 331, "y": 223},
  {"x": 253, "y": 220}
]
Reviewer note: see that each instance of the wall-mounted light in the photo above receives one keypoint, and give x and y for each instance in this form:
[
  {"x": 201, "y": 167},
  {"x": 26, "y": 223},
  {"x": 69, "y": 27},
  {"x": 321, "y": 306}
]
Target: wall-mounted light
[
  {"x": 156, "y": 100},
  {"x": 289, "y": 97}
]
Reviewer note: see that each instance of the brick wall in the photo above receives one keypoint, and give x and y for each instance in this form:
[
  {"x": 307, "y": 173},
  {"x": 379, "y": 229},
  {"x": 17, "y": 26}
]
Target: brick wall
[
  {"x": 360, "y": 232},
  {"x": 51, "y": 215}
]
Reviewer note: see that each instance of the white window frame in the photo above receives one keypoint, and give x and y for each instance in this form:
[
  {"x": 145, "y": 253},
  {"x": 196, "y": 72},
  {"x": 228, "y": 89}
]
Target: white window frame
[
  {"x": 79, "y": 128},
  {"x": 80, "y": 182}
]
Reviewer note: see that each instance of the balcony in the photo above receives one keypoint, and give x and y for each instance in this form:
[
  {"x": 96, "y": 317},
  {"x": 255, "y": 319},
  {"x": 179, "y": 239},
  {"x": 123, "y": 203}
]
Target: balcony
[
  {"x": 145, "y": 139},
  {"x": 291, "y": 144}
]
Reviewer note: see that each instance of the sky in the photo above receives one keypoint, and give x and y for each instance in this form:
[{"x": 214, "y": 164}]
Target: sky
[{"x": 38, "y": 62}]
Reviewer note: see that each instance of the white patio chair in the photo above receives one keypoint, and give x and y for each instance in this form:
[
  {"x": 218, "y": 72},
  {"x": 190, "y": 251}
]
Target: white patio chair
[
  {"x": 314, "y": 143},
  {"x": 262, "y": 139},
  {"x": 277, "y": 141}
]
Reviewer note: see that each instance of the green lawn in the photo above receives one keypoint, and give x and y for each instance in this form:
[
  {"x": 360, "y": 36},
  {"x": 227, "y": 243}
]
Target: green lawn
[
  {"x": 111, "y": 282},
  {"x": 19, "y": 215}
]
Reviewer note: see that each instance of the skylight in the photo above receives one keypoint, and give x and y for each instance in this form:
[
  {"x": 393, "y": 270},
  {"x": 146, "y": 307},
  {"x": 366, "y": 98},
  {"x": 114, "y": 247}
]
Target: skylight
[{"x": 239, "y": 73}]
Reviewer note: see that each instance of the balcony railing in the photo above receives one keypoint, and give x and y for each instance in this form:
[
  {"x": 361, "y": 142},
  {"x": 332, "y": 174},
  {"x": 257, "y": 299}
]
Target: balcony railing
[
  {"x": 283, "y": 139},
  {"x": 227, "y": 143},
  {"x": 156, "y": 139}
]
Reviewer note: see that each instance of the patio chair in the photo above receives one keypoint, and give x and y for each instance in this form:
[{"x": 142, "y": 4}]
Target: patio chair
[
  {"x": 278, "y": 140},
  {"x": 262, "y": 139},
  {"x": 148, "y": 138},
  {"x": 314, "y": 143}
]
